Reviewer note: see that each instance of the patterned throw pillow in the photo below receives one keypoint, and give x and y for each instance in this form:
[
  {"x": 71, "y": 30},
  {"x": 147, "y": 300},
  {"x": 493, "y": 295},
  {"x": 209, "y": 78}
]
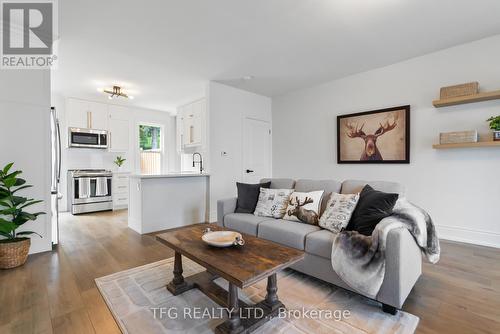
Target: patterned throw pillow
[
  {"x": 304, "y": 207},
  {"x": 272, "y": 202},
  {"x": 338, "y": 212}
]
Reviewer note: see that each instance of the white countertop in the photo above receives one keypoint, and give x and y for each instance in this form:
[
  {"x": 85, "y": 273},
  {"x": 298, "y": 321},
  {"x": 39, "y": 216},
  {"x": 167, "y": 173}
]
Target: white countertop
[{"x": 168, "y": 175}]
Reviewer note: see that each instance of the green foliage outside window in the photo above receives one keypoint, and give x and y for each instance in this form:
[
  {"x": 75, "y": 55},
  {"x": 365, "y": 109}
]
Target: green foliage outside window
[{"x": 149, "y": 137}]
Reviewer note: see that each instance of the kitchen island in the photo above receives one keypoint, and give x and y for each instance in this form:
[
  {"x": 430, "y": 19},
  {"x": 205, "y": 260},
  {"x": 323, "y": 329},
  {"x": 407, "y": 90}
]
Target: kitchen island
[{"x": 164, "y": 201}]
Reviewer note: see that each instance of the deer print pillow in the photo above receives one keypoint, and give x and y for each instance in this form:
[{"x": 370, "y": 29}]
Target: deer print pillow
[
  {"x": 304, "y": 207},
  {"x": 338, "y": 212},
  {"x": 272, "y": 202}
]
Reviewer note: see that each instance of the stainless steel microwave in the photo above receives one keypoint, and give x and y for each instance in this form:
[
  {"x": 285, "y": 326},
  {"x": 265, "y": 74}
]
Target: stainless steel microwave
[{"x": 88, "y": 138}]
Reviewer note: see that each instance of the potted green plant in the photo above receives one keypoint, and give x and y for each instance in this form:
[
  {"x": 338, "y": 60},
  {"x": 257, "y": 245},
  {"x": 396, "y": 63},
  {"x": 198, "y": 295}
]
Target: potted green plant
[
  {"x": 495, "y": 126},
  {"x": 119, "y": 161},
  {"x": 14, "y": 246}
]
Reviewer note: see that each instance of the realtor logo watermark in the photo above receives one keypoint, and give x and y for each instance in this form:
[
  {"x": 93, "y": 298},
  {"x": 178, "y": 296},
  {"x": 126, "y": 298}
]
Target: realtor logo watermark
[{"x": 28, "y": 30}]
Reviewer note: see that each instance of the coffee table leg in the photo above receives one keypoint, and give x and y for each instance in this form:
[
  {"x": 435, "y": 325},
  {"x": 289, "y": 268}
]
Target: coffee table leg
[
  {"x": 272, "y": 288},
  {"x": 234, "y": 321},
  {"x": 178, "y": 285}
]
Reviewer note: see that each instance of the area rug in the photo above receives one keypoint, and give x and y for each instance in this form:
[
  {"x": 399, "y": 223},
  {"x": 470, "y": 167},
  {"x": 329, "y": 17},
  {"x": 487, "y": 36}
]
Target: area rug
[{"x": 140, "y": 303}]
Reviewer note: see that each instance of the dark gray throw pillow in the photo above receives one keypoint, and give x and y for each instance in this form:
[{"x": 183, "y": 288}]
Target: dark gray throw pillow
[
  {"x": 372, "y": 207},
  {"x": 248, "y": 195}
]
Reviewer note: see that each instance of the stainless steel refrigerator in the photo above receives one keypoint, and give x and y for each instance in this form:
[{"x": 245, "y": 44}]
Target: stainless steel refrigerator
[{"x": 56, "y": 173}]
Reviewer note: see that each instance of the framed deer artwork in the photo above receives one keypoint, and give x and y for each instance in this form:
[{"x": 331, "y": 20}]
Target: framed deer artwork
[{"x": 378, "y": 136}]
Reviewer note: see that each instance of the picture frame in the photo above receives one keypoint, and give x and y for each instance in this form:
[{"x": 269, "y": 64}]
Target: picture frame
[{"x": 374, "y": 137}]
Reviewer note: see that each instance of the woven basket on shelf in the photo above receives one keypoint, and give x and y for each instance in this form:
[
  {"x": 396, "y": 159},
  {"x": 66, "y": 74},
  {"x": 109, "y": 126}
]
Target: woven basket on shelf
[
  {"x": 14, "y": 254},
  {"x": 466, "y": 89}
]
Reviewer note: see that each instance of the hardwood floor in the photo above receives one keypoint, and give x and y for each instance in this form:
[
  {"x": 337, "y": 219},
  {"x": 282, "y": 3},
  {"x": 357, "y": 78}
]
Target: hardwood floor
[{"x": 54, "y": 292}]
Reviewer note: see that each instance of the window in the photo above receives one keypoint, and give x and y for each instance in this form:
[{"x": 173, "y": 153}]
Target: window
[{"x": 151, "y": 148}]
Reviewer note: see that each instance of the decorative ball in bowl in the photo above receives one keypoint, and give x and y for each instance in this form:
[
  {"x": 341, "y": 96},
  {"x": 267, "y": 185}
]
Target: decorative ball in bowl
[{"x": 223, "y": 238}]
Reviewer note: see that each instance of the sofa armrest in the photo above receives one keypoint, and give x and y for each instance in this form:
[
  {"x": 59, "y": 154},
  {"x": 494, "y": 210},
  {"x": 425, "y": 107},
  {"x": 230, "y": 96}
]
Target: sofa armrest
[
  {"x": 225, "y": 206},
  {"x": 403, "y": 267}
]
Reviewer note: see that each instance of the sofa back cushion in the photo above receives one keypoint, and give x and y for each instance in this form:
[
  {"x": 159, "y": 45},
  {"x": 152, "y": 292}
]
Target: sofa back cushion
[
  {"x": 280, "y": 183},
  {"x": 248, "y": 195},
  {"x": 329, "y": 186},
  {"x": 355, "y": 186}
]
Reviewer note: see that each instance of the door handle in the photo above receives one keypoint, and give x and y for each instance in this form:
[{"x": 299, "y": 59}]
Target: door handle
[{"x": 249, "y": 171}]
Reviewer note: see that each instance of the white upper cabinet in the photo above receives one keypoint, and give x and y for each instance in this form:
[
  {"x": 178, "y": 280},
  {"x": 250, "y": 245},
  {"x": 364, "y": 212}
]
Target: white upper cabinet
[
  {"x": 99, "y": 116},
  {"x": 77, "y": 114},
  {"x": 87, "y": 115},
  {"x": 119, "y": 129},
  {"x": 191, "y": 128}
]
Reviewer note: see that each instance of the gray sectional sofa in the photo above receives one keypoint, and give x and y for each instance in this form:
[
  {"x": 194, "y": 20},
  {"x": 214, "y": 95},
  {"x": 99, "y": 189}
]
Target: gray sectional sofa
[{"x": 403, "y": 256}]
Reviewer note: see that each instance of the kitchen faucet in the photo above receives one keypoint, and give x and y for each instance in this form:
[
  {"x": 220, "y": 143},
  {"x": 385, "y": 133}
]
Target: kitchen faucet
[{"x": 198, "y": 162}]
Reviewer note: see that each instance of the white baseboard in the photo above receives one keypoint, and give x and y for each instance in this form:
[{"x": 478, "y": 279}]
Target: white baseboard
[{"x": 470, "y": 236}]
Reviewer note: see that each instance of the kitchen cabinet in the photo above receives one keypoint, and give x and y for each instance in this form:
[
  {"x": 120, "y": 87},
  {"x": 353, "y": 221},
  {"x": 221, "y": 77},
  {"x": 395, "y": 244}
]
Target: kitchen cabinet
[
  {"x": 191, "y": 125},
  {"x": 86, "y": 114},
  {"x": 120, "y": 190},
  {"x": 98, "y": 115},
  {"x": 119, "y": 129}
]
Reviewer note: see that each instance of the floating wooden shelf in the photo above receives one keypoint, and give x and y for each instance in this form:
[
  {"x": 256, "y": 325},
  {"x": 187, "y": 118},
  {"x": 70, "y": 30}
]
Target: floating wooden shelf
[
  {"x": 453, "y": 101},
  {"x": 467, "y": 145}
]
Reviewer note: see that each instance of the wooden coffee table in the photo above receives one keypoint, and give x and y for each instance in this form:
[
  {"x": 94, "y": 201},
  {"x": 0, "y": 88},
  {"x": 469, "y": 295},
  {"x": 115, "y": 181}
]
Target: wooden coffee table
[{"x": 241, "y": 266}]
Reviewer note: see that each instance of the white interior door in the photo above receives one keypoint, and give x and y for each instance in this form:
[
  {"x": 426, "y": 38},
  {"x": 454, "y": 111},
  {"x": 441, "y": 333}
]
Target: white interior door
[{"x": 256, "y": 150}]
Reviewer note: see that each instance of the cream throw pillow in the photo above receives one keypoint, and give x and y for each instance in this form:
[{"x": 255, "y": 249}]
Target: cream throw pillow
[
  {"x": 272, "y": 202},
  {"x": 338, "y": 212},
  {"x": 304, "y": 207}
]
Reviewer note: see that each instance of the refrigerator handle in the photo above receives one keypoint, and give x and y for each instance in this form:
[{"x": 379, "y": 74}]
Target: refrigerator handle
[{"x": 59, "y": 151}]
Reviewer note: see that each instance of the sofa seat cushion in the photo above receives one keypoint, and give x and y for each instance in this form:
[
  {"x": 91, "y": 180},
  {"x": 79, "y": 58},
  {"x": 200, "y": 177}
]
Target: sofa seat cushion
[
  {"x": 288, "y": 233},
  {"x": 243, "y": 222},
  {"x": 320, "y": 243}
]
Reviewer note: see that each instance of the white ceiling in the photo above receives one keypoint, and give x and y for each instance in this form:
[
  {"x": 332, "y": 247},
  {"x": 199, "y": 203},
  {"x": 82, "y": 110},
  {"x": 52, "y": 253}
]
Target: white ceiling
[{"x": 165, "y": 51}]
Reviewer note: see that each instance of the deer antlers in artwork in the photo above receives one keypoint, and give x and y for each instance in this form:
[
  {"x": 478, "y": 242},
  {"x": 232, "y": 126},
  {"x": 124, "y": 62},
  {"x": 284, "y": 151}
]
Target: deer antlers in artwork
[
  {"x": 371, "y": 151},
  {"x": 307, "y": 216},
  {"x": 354, "y": 132},
  {"x": 386, "y": 127},
  {"x": 307, "y": 200}
]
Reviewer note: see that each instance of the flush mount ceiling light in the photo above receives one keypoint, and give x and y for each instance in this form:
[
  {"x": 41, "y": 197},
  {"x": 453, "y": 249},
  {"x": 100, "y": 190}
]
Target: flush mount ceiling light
[{"x": 116, "y": 92}]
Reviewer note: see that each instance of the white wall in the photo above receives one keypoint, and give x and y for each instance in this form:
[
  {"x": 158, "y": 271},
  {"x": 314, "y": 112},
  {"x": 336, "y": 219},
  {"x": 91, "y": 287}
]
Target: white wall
[
  {"x": 25, "y": 140},
  {"x": 460, "y": 188},
  {"x": 74, "y": 158},
  {"x": 227, "y": 108}
]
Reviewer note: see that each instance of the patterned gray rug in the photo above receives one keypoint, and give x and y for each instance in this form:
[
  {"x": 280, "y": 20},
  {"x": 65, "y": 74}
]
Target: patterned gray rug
[{"x": 140, "y": 303}]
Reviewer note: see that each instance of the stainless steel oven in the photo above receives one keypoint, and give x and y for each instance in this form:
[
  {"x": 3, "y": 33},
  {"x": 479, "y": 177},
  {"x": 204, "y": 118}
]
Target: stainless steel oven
[
  {"x": 89, "y": 190},
  {"x": 88, "y": 138}
]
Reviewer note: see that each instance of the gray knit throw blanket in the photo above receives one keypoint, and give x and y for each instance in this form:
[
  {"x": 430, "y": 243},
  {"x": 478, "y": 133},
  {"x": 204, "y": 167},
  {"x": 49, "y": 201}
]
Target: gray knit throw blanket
[{"x": 359, "y": 260}]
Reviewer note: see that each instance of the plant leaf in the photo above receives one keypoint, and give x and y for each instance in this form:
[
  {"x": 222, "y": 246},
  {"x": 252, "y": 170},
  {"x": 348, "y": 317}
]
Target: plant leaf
[
  {"x": 16, "y": 200},
  {"x": 21, "y": 188},
  {"x": 3, "y": 221},
  {"x": 13, "y": 174},
  {"x": 19, "y": 182},
  {"x": 8, "y": 211},
  {"x": 7, "y": 167},
  {"x": 31, "y": 202},
  {"x": 3, "y": 193},
  {"x": 28, "y": 233},
  {"x": 9, "y": 182},
  {"x": 6, "y": 204},
  {"x": 8, "y": 227},
  {"x": 6, "y": 235}
]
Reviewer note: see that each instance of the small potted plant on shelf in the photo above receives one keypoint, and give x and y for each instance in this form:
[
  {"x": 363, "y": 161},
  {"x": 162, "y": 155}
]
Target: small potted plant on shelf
[
  {"x": 14, "y": 246},
  {"x": 119, "y": 161},
  {"x": 495, "y": 126}
]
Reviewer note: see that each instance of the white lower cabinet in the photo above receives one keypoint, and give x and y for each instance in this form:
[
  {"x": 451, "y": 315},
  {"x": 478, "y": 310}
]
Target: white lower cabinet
[{"x": 120, "y": 190}]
